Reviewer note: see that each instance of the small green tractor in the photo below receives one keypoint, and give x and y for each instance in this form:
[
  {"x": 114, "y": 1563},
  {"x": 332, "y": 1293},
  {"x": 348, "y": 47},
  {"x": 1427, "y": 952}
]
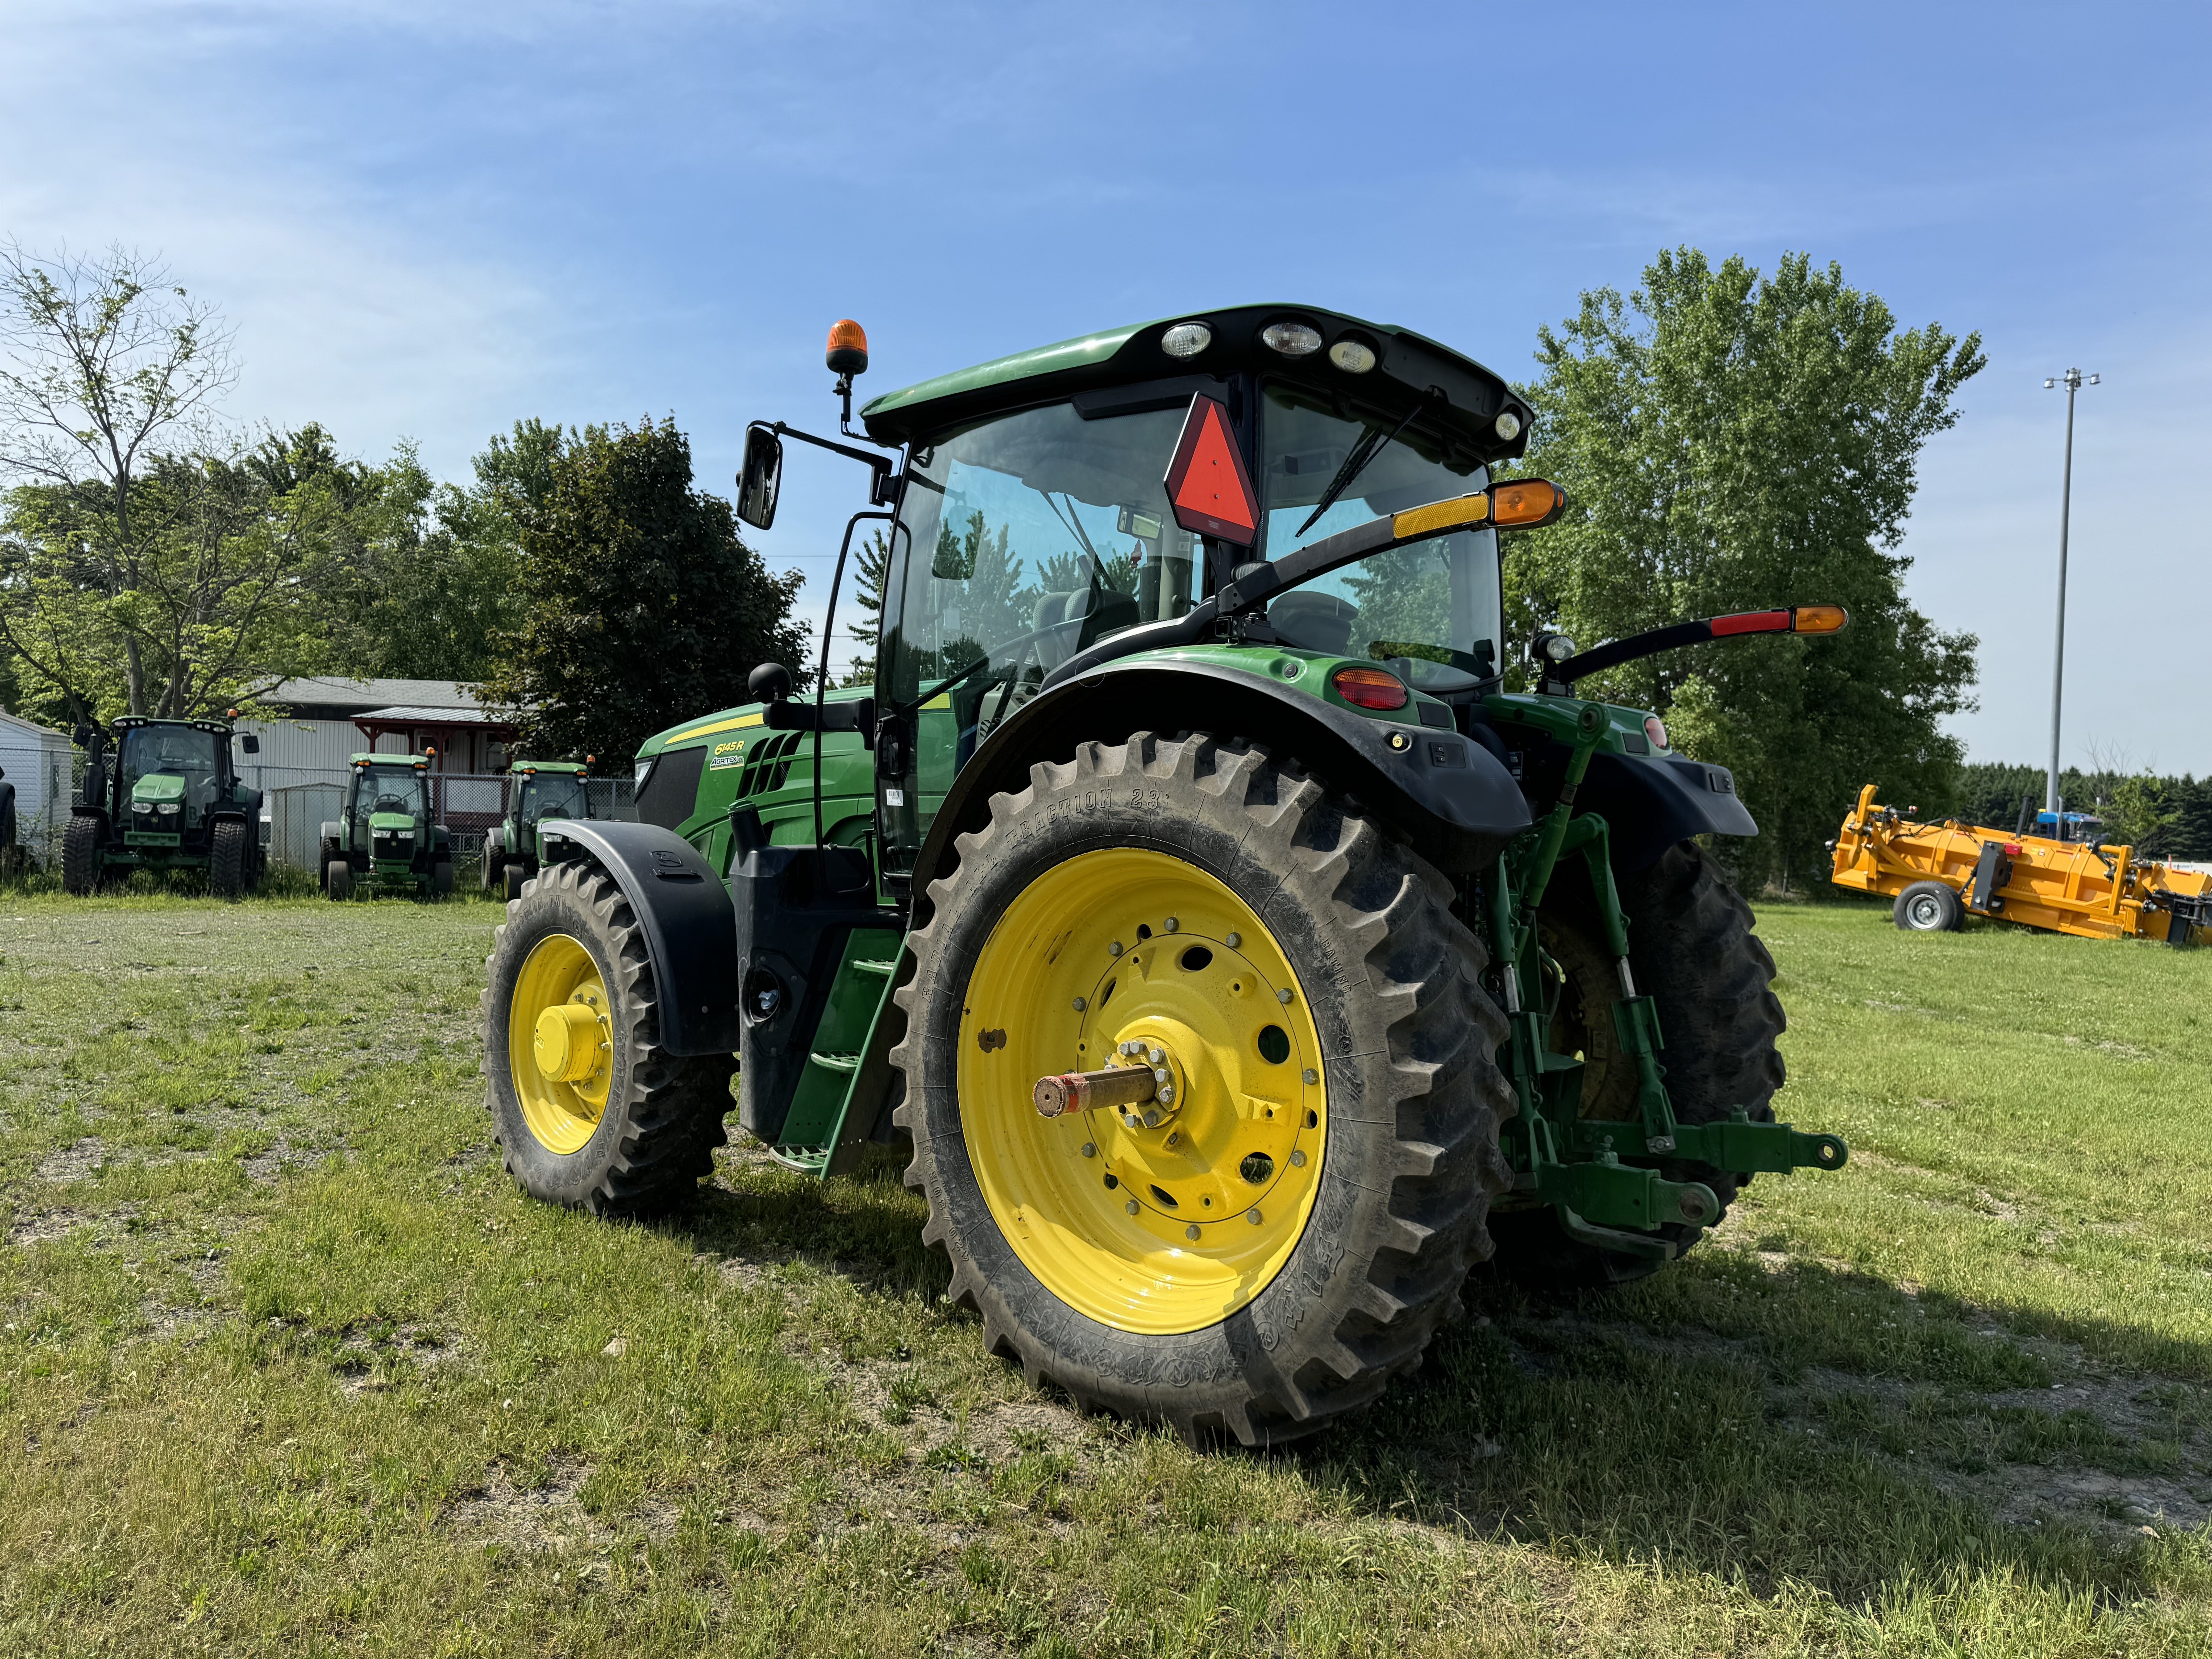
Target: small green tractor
[
  {"x": 388, "y": 838},
  {"x": 538, "y": 792},
  {"x": 163, "y": 795},
  {"x": 1239, "y": 963}
]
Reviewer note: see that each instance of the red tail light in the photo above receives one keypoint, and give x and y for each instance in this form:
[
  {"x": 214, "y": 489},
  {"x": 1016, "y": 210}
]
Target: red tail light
[{"x": 1370, "y": 688}]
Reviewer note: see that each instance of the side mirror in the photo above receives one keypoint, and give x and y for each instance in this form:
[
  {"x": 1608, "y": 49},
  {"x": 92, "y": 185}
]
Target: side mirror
[
  {"x": 762, "y": 478},
  {"x": 249, "y": 744}
]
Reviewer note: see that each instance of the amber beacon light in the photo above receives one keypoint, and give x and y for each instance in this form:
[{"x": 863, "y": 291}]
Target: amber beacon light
[{"x": 847, "y": 352}]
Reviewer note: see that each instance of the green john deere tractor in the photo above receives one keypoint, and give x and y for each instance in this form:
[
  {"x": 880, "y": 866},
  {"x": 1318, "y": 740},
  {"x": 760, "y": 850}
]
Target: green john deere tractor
[
  {"x": 538, "y": 792},
  {"x": 162, "y": 795},
  {"x": 388, "y": 838},
  {"x": 1239, "y": 962}
]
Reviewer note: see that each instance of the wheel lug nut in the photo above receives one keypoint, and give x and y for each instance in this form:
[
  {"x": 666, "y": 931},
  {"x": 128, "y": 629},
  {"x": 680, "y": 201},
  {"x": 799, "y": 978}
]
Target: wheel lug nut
[
  {"x": 1312, "y": 1076},
  {"x": 1090, "y": 1150},
  {"x": 1158, "y": 1056},
  {"x": 1167, "y": 1094},
  {"x": 1161, "y": 1075},
  {"x": 1251, "y": 1215},
  {"x": 1114, "y": 949},
  {"x": 1151, "y": 1119},
  {"x": 1283, "y": 995},
  {"x": 1298, "y": 1158},
  {"x": 1234, "y": 940},
  {"x": 1131, "y": 1206},
  {"x": 1172, "y": 924},
  {"x": 1080, "y": 1005},
  {"x": 1191, "y": 1232}
]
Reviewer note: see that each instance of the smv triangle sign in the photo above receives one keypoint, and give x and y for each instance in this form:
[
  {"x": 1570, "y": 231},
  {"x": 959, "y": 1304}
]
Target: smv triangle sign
[{"x": 1207, "y": 486}]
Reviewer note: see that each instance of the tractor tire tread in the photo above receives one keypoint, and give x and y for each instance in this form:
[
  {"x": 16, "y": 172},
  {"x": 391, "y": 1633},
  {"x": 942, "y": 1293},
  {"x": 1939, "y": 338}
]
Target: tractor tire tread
[
  {"x": 81, "y": 870},
  {"x": 227, "y": 859},
  {"x": 1383, "y": 1259},
  {"x": 674, "y": 1107}
]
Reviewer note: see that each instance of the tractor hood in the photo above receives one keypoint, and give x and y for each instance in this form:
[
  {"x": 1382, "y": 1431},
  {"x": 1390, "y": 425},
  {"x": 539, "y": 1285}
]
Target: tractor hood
[
  {"x": 157, "y": 787},
  {"x": 387, "y": 823}
]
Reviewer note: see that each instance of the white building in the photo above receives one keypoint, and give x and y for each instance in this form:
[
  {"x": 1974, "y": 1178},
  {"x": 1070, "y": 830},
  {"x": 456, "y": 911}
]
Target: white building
[
  {"x": 37, "y": 760},
  {"x": 321, "y": 722}
]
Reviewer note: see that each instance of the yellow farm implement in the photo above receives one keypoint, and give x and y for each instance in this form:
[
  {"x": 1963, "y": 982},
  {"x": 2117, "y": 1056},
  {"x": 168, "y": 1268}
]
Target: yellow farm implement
[{"x": 1939, "y": 873}]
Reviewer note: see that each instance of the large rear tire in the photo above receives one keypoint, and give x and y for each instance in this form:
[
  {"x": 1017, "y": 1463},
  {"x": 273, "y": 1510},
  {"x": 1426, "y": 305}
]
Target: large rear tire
[
  {"x": 228, "y": 861},
  {"x": 1290, "y": 1233},
  {"x": 1692, "y": 948},
  {"x": 81, "y": 857},
  {"x": 590, "y": 1110}
]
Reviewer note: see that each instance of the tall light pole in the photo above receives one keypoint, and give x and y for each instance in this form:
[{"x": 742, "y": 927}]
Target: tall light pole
[{"x": 2073, "y": 381}]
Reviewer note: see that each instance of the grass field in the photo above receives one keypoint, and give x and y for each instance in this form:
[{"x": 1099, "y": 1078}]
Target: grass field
[{"x": 288, "y": 1366}]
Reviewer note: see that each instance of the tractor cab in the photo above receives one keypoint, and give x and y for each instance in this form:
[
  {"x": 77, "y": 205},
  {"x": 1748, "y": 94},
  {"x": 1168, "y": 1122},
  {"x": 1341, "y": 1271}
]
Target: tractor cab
[
  {"x": 387, "y": 836},
  {"x": 538, "y": 792},
  {"x": 165, "y": 793}
]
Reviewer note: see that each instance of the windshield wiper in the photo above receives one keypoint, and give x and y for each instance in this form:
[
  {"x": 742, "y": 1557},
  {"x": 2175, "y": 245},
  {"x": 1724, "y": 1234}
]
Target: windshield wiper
[{"x": 1372, "y": 442}]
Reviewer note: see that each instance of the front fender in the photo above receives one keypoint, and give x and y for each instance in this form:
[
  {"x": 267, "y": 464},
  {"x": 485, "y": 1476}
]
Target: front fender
[
  {"x": 1450, "y": 797},
  {"x": 1650, "y": 805},
  {"x": 690, "y": 927}
]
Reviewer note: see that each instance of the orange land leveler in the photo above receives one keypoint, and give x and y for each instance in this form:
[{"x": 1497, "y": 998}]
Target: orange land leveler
[{"x": 1939, "y": 873}]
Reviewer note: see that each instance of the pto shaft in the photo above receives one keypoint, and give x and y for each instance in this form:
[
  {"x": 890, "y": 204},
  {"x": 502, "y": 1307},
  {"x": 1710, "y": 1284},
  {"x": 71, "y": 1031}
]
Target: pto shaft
[{"x": 1079, "y": 1091}]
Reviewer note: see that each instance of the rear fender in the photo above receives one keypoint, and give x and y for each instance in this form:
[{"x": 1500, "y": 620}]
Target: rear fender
[
  {"x": 690, "y": 927},
  {"x": 1450, "y": 798}
]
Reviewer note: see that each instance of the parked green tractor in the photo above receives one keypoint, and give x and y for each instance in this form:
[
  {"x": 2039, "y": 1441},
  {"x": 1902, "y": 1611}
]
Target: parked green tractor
[
  {"x": 388, "y": 840},
  {"x": 162, "y": 795},
  {"x": 538, "y": 792},
  {"x": 1238, "y": 960}
]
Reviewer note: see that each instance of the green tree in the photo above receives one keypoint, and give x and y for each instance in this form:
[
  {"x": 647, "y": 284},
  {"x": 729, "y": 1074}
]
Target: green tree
[
  {"x": 225, "y": 551},
  {"x": 100, "y": 358},
  {"x": 1731, "y": 441},
  {"x": 871, "y": 570},
  {"x": 642, "y": 606}
]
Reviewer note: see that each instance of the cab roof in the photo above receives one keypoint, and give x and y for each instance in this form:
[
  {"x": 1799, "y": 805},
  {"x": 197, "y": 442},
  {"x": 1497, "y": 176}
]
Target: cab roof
[
  {"x": 391, "y": 760},
  {"x": 1409, "y": 367},
  {"x": 522, "y": 766}
]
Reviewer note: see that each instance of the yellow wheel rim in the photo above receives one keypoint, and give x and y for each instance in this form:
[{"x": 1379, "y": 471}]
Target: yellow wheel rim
[
  {"x": 1147, "y": 1226},
  {"x": 560, "y": 1043}
]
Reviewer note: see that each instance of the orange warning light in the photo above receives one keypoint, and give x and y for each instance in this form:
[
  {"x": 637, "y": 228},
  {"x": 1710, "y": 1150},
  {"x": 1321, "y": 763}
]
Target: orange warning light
[{"x": 848, "y": 351}]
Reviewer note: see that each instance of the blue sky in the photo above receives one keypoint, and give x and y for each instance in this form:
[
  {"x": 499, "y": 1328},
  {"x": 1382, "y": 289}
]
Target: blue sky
[{"x": 426, "y": 220}]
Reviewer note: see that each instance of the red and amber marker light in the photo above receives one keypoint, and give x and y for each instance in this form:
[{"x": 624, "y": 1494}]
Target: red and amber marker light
[
  {"x": 1803, "y": 619},
  {"x": 1370, "y": 688},
  {"x": 847, "y": 352}
]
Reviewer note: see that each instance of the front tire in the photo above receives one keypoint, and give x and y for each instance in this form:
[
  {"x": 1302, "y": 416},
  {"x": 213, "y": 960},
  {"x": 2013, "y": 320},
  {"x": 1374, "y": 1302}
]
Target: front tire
[
  {"x": 228, "y": 862},
  {"x": 81, "y": 857},
  {"x": 590, "y": 1110},
  {"x": 1290, "y": 1233},
  {"x": 1691, "y": 949},
  {"x": 338, "y": 880}
]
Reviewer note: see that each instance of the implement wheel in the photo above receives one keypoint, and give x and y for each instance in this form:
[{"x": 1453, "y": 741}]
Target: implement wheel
[
  {"x": 590, "y": 1110},
  {"x": 1691, "y": 947},
  {"x": 1281, "y": 1228},
  {"x": 1929, "y": 906}
]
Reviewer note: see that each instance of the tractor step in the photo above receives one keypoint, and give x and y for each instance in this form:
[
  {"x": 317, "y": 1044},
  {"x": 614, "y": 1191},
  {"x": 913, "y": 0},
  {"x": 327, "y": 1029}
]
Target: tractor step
[
  {"x": 882, "y": 969},
  {"x": 837, "y": 1062},
  {"x": 806, "y": 1160}
]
